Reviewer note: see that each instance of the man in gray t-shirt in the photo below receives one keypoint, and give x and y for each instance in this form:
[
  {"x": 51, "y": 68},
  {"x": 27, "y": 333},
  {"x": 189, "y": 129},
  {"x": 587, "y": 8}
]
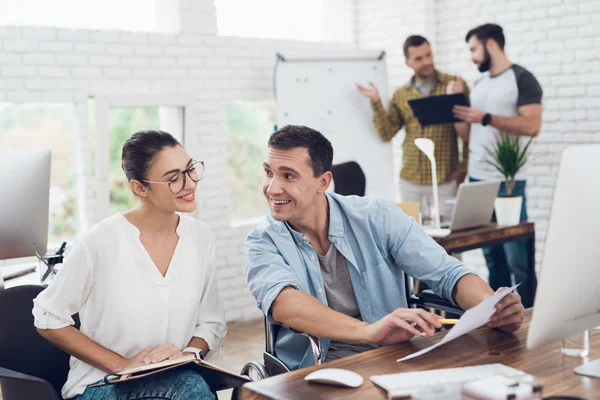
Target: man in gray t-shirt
[
  {"x": 341, "y": 298},
  {"x": 507, "y": 99}
]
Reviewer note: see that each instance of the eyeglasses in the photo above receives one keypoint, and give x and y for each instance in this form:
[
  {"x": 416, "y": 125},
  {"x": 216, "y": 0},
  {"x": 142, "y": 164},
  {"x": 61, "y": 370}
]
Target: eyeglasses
[{"x": 177, "y": 182}]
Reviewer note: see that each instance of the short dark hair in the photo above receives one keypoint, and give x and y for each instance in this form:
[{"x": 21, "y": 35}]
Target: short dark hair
[
  {"x": 413, "y": 41},
  {"x": 487, "y": 31},
  {"x": 140, "y": 150},
  {"x": 320, "y": 150}
]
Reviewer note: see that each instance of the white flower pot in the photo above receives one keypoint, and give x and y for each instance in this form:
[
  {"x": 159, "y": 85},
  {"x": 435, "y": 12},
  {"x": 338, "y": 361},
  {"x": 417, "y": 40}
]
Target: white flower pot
[{"x": 508, "y": 210}]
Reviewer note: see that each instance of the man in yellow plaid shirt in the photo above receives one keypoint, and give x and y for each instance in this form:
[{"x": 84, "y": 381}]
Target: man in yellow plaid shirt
[{"x": 415, "y": 176}]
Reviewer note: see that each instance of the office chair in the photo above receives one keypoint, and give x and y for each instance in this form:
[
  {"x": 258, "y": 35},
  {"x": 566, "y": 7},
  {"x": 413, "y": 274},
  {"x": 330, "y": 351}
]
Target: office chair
[
  {"x": 30, "y": 366},
  {"x": 349, "y": 179},
  {"x": 273, "y": 366}
]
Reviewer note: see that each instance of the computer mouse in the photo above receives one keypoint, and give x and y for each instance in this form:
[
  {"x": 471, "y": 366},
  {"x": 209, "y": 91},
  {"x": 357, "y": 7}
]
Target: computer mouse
[{"x": 336, "y": 377}]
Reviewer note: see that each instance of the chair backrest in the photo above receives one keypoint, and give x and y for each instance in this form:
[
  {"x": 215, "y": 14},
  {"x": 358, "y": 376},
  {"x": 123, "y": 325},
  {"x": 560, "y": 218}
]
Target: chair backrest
[
  {"x": 412, "y": 209},
  {"x": 349, "y": 179},
  {"x": 22, "y": 349}
]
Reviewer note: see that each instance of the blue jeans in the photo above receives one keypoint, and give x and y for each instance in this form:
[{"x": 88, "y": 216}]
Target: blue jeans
[
  {"x": 510, "y": 257},
  {"x": 174, "y": 384}
]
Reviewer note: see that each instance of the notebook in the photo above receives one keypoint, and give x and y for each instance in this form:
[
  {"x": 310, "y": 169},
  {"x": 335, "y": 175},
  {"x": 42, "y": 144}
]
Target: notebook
[{"x": 216, "y": 377}]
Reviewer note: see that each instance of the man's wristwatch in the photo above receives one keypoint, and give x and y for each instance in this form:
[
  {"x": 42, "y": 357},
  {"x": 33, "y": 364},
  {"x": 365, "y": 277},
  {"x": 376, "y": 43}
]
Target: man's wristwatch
[
  {"x": 487, "y": 119},
  {"x": 198, "y": 352}
]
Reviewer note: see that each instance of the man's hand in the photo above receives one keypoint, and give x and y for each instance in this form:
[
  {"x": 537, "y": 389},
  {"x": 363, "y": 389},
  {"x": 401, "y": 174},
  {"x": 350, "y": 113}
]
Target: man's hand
[
  {"x": 458, "y": 176},
  {"x": 456, "y": 86},
  {"x": 509, "y": 314},
  {"x": 371, "y": 92},
  {"x": 468, "y": 114},
  {"x": 401, "y": 325}
]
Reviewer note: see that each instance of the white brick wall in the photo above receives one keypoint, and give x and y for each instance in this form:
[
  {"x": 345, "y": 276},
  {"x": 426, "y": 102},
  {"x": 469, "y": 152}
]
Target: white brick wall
[
  {"x": 557, "y": 40},
  {"x": 53, "y": 64}
]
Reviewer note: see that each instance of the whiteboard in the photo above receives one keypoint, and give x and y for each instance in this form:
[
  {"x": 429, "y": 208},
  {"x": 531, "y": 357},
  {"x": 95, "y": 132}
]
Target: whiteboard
[{"x": 322, "y": 94}]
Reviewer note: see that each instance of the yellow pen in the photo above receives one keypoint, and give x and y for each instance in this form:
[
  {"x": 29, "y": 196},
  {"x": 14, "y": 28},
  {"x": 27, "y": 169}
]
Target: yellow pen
[{"x": 446, "y": 321}]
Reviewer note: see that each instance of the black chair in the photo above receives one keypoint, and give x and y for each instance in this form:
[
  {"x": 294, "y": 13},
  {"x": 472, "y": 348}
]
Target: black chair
[
  {"x": 30, "y": 366},
  {"x": 349, "y": 179}
]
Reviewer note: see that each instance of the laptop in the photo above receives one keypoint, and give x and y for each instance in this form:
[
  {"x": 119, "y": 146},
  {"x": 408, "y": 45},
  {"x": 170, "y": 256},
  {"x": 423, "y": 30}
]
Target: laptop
[{"x": 474, "y": 206}]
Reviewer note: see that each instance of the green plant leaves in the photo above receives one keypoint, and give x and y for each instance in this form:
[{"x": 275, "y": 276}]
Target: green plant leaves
[{"x": 508, "y": 157}]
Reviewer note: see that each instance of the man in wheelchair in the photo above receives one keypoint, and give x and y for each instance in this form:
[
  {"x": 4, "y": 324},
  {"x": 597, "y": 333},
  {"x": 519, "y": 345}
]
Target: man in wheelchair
[{"x": 334, "y": 267}]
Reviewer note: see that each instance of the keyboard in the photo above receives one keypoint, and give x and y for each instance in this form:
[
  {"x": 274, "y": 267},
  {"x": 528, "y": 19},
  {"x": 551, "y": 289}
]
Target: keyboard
[{"x": 407, "y": 383}]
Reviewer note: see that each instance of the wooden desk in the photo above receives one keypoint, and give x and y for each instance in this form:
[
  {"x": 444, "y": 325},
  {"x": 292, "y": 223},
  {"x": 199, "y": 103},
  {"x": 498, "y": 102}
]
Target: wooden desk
[
  {"x": 483, "y": 346},
  {"x": 491, "y": 235}
]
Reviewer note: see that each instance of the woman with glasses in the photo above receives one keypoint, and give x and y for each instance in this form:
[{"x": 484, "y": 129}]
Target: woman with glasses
[{"x": 143, "y": 283}]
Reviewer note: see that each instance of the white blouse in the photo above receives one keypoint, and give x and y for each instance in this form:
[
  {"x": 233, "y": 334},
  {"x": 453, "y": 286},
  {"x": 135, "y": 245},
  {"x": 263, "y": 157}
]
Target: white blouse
[{"x": 123, "y": 301}]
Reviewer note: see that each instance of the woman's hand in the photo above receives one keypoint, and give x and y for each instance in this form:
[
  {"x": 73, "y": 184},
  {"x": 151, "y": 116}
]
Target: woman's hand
[
  {"x": 135, "y": 361},
  {"x": 162, "y": 353}
]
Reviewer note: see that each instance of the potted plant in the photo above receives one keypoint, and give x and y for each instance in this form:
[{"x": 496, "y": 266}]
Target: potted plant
[{"x": 508, "y": 157}]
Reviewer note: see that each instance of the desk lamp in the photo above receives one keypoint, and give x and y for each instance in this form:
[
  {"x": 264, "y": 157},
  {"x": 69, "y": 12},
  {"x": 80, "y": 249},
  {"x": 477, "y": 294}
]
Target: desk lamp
[{"x": 427, "y": 147}]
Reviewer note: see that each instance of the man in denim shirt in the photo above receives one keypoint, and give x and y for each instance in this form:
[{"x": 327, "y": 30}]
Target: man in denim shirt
[{"x": 333, "y": 266}]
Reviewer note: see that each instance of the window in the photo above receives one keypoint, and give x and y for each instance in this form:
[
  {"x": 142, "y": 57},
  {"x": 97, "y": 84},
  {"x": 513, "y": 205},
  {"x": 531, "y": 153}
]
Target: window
[
  {"x": 48, "y": 126},
  {"x": 116, "y": 118},
  {"x": 308, "y": 20},
  {"x": 131, "y": 15},
  {"x": 248, "y": 127}
]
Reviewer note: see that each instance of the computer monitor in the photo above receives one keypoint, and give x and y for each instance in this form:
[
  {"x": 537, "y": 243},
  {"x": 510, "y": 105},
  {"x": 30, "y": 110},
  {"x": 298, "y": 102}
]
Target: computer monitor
[
  {"x": 25, "y": 187},
  {"x": 567, "y": 299}
]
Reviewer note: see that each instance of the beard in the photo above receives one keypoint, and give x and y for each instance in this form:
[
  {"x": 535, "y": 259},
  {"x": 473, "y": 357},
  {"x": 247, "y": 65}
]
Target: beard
[{"x": 486, "y": 63}]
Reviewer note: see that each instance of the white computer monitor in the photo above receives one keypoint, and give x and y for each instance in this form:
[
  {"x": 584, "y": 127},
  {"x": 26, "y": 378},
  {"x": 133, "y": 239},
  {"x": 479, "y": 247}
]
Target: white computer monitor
[
  {"x": 568, "y": 295},
  {"x": 25, "y": 188}
]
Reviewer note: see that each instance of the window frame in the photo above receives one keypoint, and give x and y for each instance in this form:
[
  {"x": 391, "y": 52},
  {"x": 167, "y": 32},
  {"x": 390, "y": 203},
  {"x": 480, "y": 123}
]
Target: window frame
[{"x": 103, "y": 104}]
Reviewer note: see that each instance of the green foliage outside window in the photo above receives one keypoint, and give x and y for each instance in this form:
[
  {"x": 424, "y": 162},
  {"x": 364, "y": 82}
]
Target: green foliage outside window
[{"x": 248, "y": 127}]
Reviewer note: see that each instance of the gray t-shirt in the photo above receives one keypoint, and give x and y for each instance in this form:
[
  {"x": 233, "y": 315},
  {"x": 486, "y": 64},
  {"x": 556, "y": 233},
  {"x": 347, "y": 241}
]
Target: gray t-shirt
[
  {"x": 341, "y": 298},
  {"x": 425, "y": 87},
  {"x": 499, "y": 95}
]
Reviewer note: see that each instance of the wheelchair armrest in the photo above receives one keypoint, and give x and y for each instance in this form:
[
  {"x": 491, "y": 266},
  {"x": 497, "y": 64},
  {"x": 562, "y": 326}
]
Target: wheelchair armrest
[{"x": 429, "y": 299}]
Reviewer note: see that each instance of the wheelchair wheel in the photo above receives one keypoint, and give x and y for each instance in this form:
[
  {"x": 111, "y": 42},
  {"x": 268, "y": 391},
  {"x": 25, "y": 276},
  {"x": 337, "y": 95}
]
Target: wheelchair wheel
[{"x": 253, "y": 370}]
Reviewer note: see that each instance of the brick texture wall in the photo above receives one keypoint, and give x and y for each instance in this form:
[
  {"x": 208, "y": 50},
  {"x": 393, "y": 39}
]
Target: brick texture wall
[
  {"x": 557, "y": 40},
  {"x": 69, "y": 65}
]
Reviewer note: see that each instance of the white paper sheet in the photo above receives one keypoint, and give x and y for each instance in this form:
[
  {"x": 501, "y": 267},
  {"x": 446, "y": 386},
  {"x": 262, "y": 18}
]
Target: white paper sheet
[{"x": 470, "y": 320}]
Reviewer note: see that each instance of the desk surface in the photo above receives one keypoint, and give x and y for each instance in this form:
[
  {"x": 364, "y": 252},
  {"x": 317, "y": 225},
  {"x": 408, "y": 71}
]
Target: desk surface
[
  {"x": 483, "y": 346},
  {"x": 484, "y": 236}
]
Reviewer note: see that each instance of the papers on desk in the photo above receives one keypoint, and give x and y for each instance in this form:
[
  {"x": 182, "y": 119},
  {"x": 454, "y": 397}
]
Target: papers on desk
[{"x": 470, "y": 320}]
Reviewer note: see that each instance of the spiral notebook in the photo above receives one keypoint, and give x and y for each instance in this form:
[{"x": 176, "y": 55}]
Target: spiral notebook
[{"x": 216, "y": 377}]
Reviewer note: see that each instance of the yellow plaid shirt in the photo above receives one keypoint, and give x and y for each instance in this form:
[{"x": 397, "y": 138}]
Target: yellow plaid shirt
[{"x": 416, "y": 168}]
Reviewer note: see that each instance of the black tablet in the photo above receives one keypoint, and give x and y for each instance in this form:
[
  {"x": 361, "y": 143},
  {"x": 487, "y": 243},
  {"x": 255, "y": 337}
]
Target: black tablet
[{"x": 435, "y": 110}]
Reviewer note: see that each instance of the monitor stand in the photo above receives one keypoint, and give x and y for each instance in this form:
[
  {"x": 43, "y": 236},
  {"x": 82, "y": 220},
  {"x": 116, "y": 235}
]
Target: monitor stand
[{"x": 590, "y": 369}]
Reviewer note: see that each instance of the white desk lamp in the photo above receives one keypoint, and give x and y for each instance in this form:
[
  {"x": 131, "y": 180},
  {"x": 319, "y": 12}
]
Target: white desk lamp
[{"x": 427, "y": 147}]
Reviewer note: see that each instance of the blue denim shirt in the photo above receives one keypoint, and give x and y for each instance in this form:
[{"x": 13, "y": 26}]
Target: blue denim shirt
[{"x": 380, "y": 243}]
